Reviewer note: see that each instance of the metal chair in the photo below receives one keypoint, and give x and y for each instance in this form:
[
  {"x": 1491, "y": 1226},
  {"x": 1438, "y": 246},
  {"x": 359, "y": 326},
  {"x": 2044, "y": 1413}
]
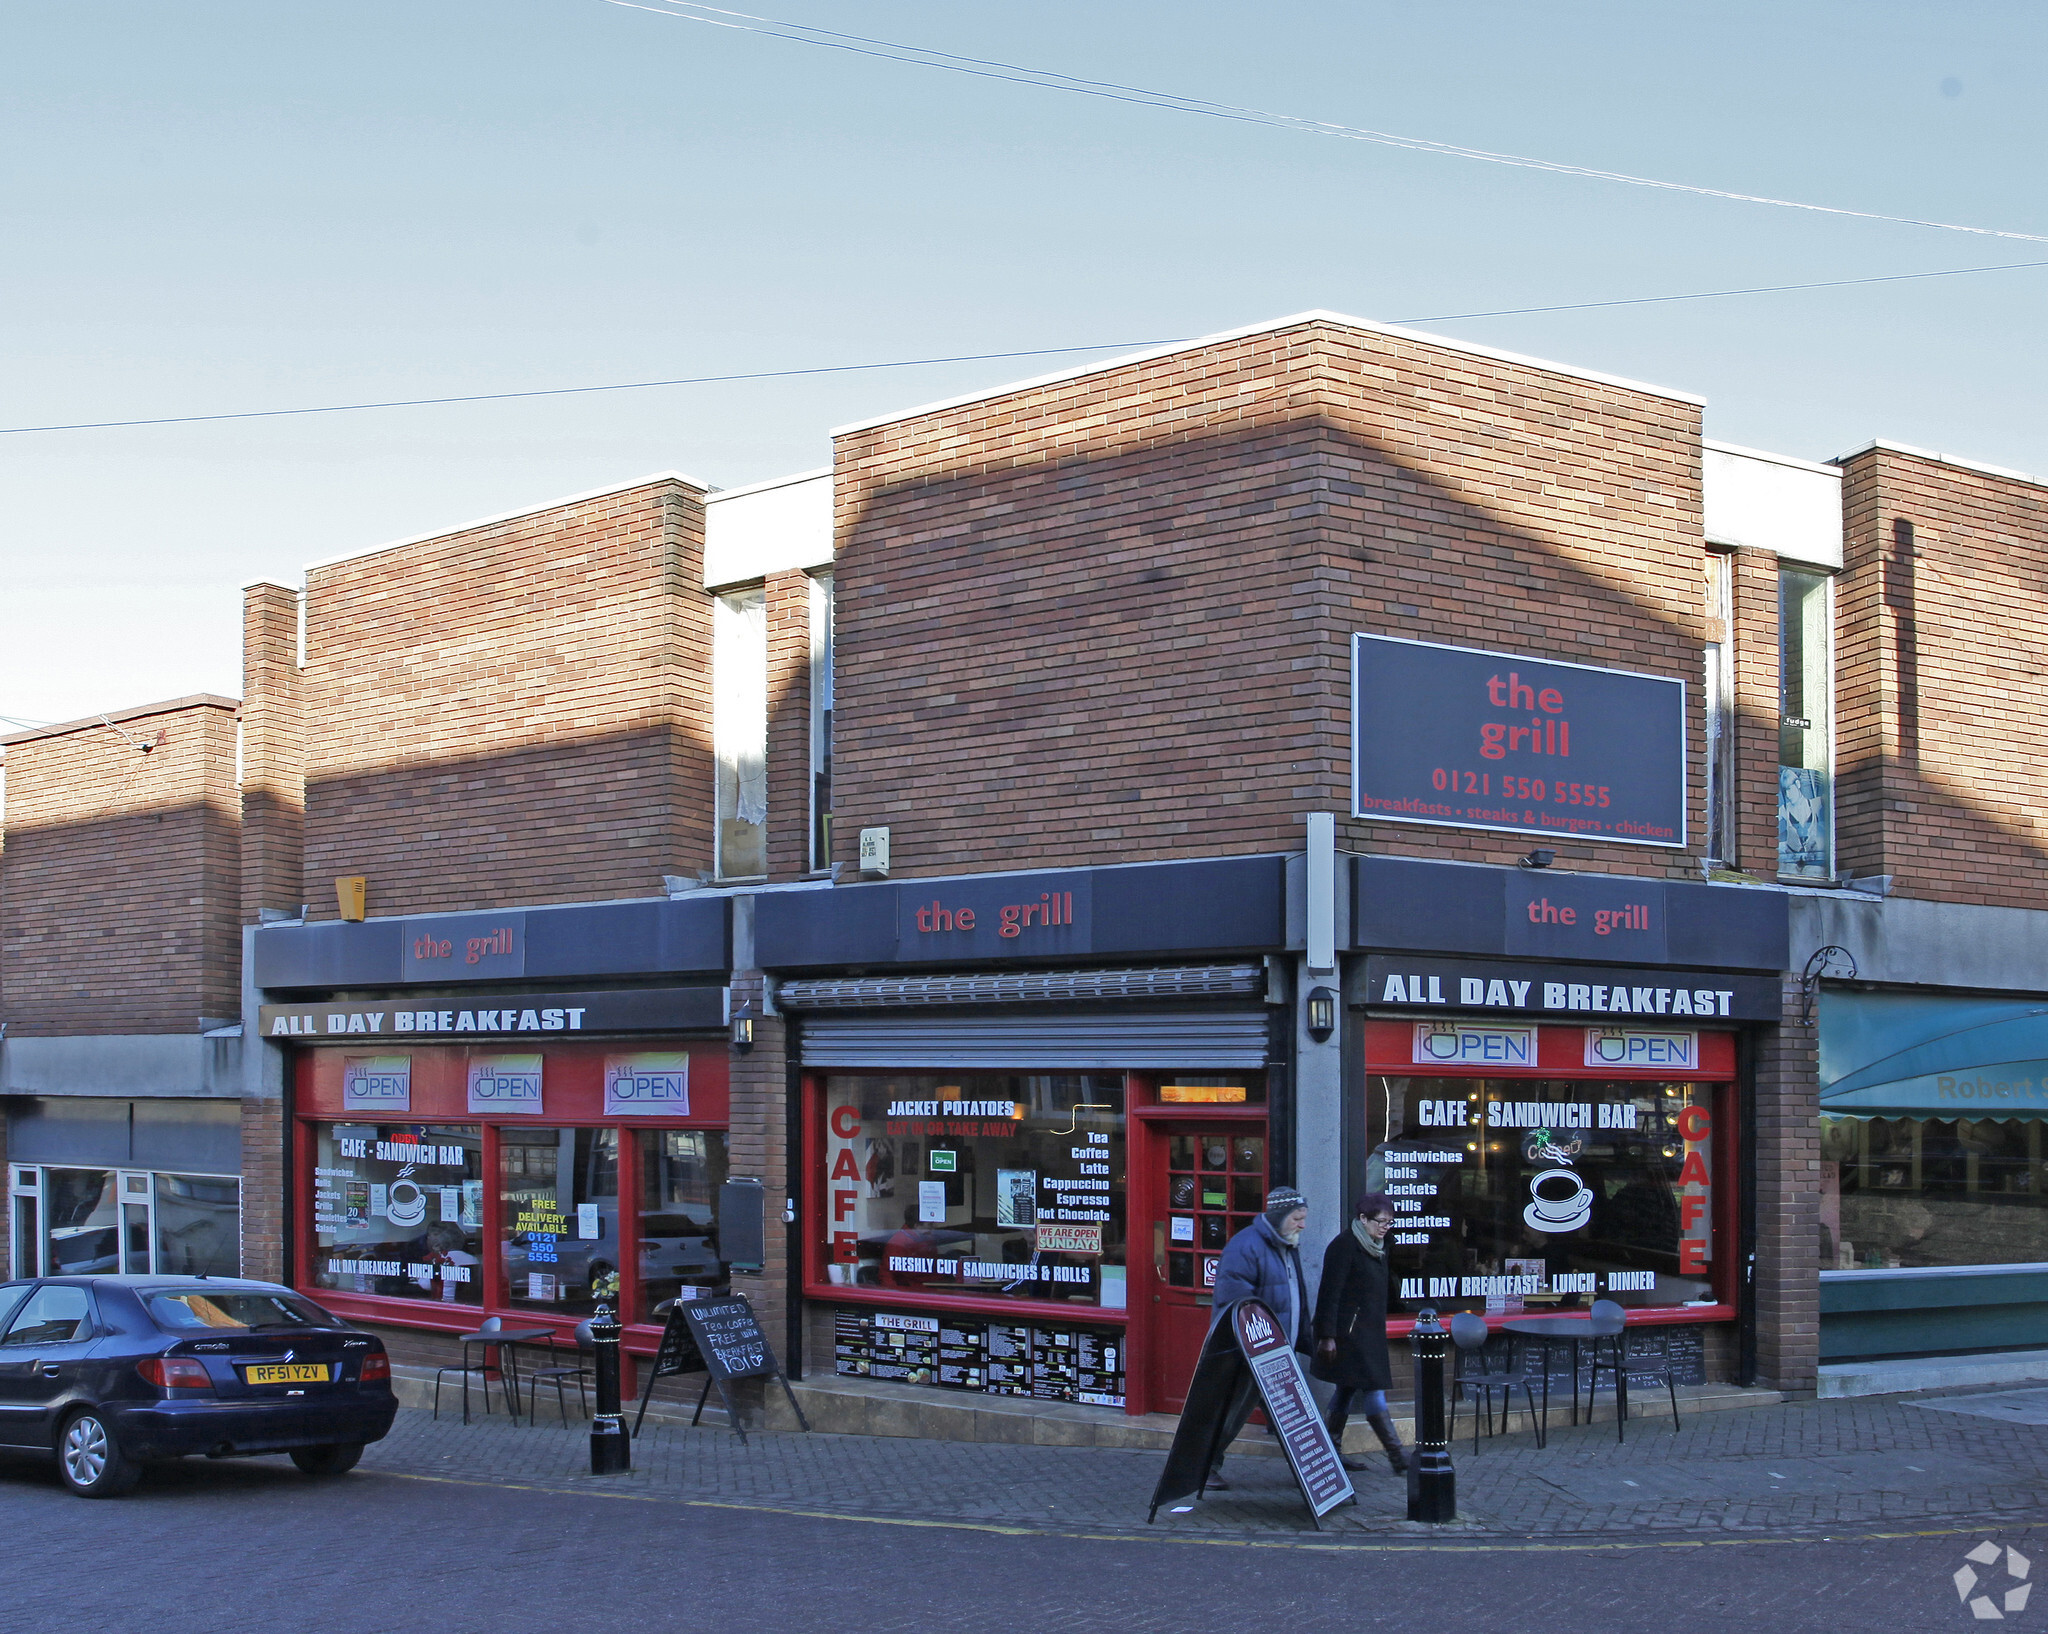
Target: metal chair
[
  {"x": 585, "y": 1368},
  {"x": 483, "y": 1367},
  {"x": 1472, "y": 1379},
  {"x": 1614, "y": 1355}
]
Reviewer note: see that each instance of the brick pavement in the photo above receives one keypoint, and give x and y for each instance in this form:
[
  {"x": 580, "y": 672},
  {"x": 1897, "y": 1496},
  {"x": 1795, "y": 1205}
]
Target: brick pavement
[{"x": 1807, "y": 1468}]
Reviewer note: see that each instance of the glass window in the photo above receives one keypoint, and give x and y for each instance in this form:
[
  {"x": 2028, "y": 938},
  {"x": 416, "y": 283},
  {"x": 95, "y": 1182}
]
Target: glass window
[
  {"x": 52, "y": 1316},
  {"x": 739, "y": 731},
  {"x": 84, "y": 1222},
  {"x": 9, "y": 1298},
  {"x": 398, "y": 1210},
  {"x": 27, "y": 1236},
  {"x": 1902, "y": 1192},
  {"x": 558, "y": 1217},
  {"x": 680, "y": 1173},
  {"x": 1519, "y": 1194},
  {"x": 821, "y": 720},
  {"x": 1719, "y": 697},
  {"x": 1806, "y": 802},
  {"x": 1006, "y": 1186},
  {"x": 198, "y": 1225},
  {"x": 194, "y": 1310}
]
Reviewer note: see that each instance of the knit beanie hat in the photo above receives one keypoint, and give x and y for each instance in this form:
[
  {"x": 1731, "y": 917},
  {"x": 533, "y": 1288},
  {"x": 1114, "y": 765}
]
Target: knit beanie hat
[{"x": 1282, "y": 1201}]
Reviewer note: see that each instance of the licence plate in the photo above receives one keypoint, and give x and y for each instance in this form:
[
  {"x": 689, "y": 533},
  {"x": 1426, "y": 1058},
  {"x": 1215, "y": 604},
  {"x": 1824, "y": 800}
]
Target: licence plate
[{"x": 286, "y": 1373}]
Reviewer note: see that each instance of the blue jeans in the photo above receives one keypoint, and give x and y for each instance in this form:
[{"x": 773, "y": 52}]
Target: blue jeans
[{"x": 1340, "y": 1407}]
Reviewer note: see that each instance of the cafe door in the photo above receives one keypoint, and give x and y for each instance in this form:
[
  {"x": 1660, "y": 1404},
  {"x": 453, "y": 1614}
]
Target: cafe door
[{"x": 1207, "y": 1182}]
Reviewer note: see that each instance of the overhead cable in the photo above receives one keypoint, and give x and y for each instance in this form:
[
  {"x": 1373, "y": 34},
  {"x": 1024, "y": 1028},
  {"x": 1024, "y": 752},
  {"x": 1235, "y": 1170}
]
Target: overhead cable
[{"x": 1052, "y": 80}]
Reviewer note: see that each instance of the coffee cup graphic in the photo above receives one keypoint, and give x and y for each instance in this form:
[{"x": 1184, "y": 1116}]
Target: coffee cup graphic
[
  {"x": 1558, "y": 1201},
  {"x": 406, "y": 1204}
]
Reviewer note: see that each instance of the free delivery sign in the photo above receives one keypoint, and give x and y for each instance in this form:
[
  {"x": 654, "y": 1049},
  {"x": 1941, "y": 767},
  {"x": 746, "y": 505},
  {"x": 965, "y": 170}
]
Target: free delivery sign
[{"x": 1471, "y": 739}]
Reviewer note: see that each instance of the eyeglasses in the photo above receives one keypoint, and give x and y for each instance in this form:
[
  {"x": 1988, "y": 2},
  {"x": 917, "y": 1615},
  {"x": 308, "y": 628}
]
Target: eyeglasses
[{"x": 1380, "y": 1219}]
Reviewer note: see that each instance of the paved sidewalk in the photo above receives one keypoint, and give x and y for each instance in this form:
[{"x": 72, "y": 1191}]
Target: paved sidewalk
[{"x": 1814, "y": 1468}]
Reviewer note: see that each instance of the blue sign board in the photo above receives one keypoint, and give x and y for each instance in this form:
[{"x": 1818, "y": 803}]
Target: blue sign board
[{"x": 1469, "y": 739}]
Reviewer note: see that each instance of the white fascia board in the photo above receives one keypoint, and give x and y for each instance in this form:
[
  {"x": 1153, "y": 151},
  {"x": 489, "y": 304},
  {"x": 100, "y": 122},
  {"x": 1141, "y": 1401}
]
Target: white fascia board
[
  {"x": 1765, "y": 502},
  {"x": 772, "y": 527},
  {"x": 1943, "y": 459},
  {"x": 508, "y": 516},
  {"x": 1824, "y": 468},
  {"x": 1422, "y": 337}
]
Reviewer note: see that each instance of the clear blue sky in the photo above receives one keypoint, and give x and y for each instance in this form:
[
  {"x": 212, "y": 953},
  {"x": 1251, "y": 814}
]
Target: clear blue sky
[{"x": 214, "y": 206}]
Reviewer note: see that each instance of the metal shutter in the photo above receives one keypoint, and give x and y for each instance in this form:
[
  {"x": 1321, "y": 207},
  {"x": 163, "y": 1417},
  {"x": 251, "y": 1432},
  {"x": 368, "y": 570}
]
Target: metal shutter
[{"x": 1234, "y": 1041}]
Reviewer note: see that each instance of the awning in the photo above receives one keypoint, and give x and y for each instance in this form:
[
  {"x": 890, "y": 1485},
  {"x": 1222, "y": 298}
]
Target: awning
[{"x": 1921, "y": 1055}]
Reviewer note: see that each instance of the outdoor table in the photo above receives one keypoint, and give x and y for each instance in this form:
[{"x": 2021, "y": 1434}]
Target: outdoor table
[
  {"x": 1550, "y": 1330},
  {"x": 508, "y": 1360}
]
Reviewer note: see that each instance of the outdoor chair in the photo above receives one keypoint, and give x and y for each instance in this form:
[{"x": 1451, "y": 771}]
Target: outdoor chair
[
  {"x": 1618, "y": 1357},
  {"x": 1472, "y": 1379},
  {"x": 483, "y": 1367},
  {"x": 584, "y": 1369}
]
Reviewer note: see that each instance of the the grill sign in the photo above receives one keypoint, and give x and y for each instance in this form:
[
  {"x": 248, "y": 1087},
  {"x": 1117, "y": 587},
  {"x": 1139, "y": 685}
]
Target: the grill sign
[{"x": 286, "y": 1373}]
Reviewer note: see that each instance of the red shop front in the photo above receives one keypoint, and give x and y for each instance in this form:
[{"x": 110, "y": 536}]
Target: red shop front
[
  {"x": 1538, "y": 1167},
  {"x": 437, "y": 1185}
]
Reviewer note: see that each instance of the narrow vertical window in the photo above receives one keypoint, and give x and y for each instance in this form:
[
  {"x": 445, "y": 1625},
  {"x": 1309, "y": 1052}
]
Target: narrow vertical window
[
  {"x": 739, "y": 731},
  {"x": 1806, "y": 800},
  {"x": 821, "y": 720},
  {"x": 1719, "y": 694}
]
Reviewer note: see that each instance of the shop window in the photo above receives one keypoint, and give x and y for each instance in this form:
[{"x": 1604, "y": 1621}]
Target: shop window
[
  {"x": 197, "y": 1225},
  {"x": 1513, "y": 1194},
  {"x": 999, "y": 1185},
  {"x": 1806, "y": 800},
  {"x": 821, "y": 720},
  {"x": 1718, "y": 691},
  {"x": 1899, "y": 1193},
  {"x": 680, "y": 1173},
  {"x": 81, "y": 1222},
  {"x": 558, "y": 1217},
  {"x": 84, "y": 1230},
  {"x": 398, "y": 1210},
  {"x": 739, "y": 731}
]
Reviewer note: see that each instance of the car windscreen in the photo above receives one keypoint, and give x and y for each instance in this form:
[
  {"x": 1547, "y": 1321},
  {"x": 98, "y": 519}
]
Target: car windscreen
[{"x": 191, "y": 1310}]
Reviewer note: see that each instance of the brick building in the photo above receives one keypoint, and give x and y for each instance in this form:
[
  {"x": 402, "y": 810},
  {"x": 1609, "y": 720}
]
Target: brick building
[{"x": 1323, "y": 753}]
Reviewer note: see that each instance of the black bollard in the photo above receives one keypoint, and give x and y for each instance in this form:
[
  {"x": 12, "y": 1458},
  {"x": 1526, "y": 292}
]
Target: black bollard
[
  {"x": 611, "y": 1451},
  {"x": 1432, "y": 1483}
]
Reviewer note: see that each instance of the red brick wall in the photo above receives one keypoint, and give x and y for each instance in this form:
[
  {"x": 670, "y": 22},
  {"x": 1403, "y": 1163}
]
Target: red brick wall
[
  {"x": 263, "y": 1181},
  {"x": 789, "y": 725},
  {"x": 515, "y": 713},
  {"x": 1943, "y": 710},
  {"x": 120, "y": 879},
  {"x": 273, "y": 752},
  {"x": 1108, "y": 619}
]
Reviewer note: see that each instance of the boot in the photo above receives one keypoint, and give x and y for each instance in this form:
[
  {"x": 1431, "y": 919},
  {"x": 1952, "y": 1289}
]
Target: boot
[
  {"x": 1383, "y": 1427},
  {"x": 1335, "y": 1425}
]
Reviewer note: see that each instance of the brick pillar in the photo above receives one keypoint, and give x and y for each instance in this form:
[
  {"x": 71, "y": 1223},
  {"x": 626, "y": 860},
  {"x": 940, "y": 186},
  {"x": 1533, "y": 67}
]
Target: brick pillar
[
  {"x": 757, "y": 1145},
  {"x": 1758, "y": 710},
  {"x": 263, "y": 1189},
  {"x": 789, "y": 724},
  {"x": 1874, "y": 632},
  {"x": 273, "y": 752},
  {"x": 1787, "y": 1143}
]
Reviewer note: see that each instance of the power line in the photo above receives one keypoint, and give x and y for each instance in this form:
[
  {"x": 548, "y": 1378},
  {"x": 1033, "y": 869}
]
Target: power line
[
  {"x": 983, "y": 357},
  {"x": 1052, "y": 80}
]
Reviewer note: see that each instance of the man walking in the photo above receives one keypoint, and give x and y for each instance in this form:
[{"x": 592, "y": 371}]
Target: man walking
[{"x": 1263, "y": 1262}]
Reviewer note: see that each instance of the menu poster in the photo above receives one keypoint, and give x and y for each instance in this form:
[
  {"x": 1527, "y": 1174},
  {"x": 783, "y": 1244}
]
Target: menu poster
[
  {"x": 991, "y": 1358},
  {"x": 1290, "y": 1408}
]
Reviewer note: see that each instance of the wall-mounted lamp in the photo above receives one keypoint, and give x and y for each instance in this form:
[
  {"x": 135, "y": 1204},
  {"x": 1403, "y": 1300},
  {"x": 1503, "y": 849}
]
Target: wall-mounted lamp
[
  {"x": 1537, "y": 859},
  {"x": 1322, "y": 1013},
  {"x": 743, "y": 1030}
]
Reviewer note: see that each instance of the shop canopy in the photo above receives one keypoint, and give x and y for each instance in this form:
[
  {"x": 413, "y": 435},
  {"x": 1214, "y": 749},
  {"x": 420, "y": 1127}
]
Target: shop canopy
[{"x": 1919, "y": 1055}]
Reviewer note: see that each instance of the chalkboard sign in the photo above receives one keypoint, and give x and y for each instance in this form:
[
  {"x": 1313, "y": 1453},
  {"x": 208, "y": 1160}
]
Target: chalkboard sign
[
  {"x": 721, "y": 1338},
  {"x": 743, "y": 1224},
  {"x": 1247, "y": 1348}
]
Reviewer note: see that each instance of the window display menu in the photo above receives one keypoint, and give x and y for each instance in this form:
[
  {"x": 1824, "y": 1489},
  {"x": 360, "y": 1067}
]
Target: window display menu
[{"x": 990, "y": 1358}]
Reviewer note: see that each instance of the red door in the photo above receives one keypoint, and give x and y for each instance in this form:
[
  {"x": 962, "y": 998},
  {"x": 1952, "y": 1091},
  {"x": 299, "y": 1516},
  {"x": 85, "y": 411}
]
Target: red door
[{"x": 1205, "y": 1182}]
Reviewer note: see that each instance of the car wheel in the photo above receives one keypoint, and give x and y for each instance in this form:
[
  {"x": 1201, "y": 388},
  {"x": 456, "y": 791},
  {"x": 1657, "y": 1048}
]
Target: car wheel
[
  {"x": 90, "y": 1460},
  {"x": 328, "y": 1460}
]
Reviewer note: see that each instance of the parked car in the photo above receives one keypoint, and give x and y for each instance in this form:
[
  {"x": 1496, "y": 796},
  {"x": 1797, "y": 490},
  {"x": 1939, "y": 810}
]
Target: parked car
[{"x": 111, "y": 1373}]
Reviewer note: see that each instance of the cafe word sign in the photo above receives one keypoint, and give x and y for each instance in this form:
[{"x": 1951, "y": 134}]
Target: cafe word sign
[{"x": 1470, "y": 739}]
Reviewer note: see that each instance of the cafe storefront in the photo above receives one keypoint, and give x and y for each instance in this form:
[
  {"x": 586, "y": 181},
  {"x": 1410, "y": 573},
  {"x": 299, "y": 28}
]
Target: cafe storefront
[
  {"x": 507, "y": 1148},
  {"x": 989, "y": 1154}
]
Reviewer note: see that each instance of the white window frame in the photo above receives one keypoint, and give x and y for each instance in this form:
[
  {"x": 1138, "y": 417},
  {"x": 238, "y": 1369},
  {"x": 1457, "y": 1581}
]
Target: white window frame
[
  {"x": 1827, "y": 715},
  {"x": 823, "y": 684}
]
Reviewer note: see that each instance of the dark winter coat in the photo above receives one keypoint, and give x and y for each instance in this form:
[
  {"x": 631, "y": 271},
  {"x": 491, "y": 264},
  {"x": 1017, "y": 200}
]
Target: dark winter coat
[
  {"x": 1258, "y": 1263},
  {"x": 1351, "y": 1308}
]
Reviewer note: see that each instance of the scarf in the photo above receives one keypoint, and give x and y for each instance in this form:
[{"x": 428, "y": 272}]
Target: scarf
[{"x": 1377, "y": 1250}]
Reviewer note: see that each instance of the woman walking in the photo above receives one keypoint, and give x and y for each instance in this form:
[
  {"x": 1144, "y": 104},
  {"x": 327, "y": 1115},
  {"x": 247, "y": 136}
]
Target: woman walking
[{"x": 1351, "y": 1327}]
